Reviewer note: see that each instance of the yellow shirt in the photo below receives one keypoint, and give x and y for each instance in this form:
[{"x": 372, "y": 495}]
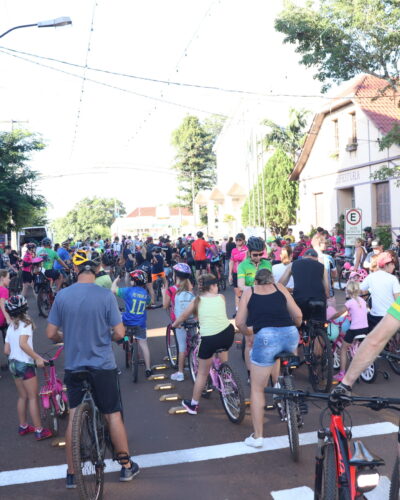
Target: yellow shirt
[{"x": 212, "y": 315}]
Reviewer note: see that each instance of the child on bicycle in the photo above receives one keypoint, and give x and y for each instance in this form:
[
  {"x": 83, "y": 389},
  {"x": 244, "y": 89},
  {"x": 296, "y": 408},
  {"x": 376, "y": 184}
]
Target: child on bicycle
[
  {"x": 216, "y": 332},
  {"x": 22, "y": 359},
  {"x": 136, "y": 298},
  {"x": 177, "y": 298},
  {"x": 357, "y": 308}
]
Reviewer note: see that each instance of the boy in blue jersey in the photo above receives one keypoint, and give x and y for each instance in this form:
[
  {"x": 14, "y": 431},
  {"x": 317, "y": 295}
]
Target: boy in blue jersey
[{"x": 136, "y": 298}]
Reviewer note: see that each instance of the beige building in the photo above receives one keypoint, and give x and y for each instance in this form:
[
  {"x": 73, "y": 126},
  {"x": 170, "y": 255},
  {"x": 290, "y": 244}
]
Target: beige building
[{"x": 341, "y": 153}]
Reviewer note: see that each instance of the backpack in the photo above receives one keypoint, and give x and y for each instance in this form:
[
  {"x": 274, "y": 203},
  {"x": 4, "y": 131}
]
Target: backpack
[{"x": 182, "y": 300}]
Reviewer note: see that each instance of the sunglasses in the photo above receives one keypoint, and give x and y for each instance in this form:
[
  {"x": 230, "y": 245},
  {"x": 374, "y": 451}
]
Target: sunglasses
[
  {"x": 257, "y": 254},
  {"x": 238, "y": 240}
]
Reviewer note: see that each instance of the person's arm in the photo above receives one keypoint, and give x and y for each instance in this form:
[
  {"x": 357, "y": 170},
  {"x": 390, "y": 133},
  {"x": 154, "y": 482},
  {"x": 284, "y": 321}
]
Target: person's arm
[
  {"x": 3, "y": 309},
  {"x": 241, "y": 315},
  {"x": 184, "y": 316},
  {"x": 53, "y": 333},
  {"x": 339, "y": 313},
  {"x": 371, "y": 347},
  {"x": 357, "y": 258},
  {"x": 7, "y": 349},
  {"x": 23, "y": 343},
  {"x": 241, "y": 284},
  {"x": 292, "y": 307},
  {"x": 325, "y": 281},
  {"x": 114, "y": 287},
  {"x": 118, "y": 332},
  {"x": 286, "y": 275}
]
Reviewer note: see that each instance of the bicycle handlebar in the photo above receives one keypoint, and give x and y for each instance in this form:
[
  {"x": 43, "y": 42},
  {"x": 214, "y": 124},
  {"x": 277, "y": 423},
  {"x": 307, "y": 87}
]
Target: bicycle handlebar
[{"x": 50, "y": 361}]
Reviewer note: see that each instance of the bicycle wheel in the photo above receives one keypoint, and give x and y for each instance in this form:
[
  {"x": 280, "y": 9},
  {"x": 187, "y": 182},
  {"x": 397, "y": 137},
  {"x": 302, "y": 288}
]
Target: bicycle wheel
[
  {"x": 88, "y": 466},
  {"x": 43, "y": 302},
  {"x": 394, "y": 481},
  {"x": 369, "y": 374},
  {"x": 231, "y": 394},
  {"x": 50, "y": 417},
  {"x": 194, "y": 362},
  {"x": 329, "y": 486},
  {"x": 172, "y": 346},
  {"x": 292, "y": 414},
  {"x": 336, "y": 357},
  {"x": 321, "y": 362},
  {"x": 135, "y": 360},
  {"x": 128, "y": 358},
  {"x": 393, "y": 346}
]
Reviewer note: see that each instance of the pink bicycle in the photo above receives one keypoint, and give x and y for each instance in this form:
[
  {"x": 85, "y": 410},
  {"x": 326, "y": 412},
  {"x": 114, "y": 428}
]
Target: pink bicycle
[{"x": 52, "y": 394}]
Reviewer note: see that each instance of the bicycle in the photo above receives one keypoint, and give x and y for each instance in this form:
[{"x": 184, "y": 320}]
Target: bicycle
[
  {"x": 44, "y": 287},
  {"x": 343, "y": 270},
  {"x": 222, "y": 379},
  {"x": 317, "y": 348},
  {"x": 217, "y": 270},
  {"x": 338, "y": 472},
  {"x": 289, "y": 411},
  {"x": 393, "y": 347},
  {"x": 53, "y": 395},
  {"x": 131, "y": 348},
  {"x": 16, "y": 282},
  {"x": 172, "y": 343},
  {"x": 90, "y": 440}
]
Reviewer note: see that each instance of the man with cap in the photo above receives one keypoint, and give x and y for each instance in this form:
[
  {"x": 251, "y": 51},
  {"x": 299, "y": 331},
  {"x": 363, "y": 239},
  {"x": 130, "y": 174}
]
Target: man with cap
[
  {"x": 376, "y": 250},
  {"x": 383, "y": 286},
  {"x": 310, "y": 279}
]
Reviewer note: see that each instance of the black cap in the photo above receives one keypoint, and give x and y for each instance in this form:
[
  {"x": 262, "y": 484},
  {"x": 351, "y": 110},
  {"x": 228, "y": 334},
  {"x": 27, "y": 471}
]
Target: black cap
[{"x": 310, "y": 253}]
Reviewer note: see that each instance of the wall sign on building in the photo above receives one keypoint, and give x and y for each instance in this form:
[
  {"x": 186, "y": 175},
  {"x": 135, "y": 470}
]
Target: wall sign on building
[{"x": 352, "y": 225}]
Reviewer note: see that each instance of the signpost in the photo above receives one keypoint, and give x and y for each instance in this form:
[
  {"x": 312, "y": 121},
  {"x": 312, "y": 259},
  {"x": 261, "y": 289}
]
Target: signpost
[{"x": 352, "y": 225}]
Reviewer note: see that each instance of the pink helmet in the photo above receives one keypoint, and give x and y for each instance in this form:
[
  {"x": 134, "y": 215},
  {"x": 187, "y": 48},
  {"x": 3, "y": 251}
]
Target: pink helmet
[{"x": 347, "y": 266}]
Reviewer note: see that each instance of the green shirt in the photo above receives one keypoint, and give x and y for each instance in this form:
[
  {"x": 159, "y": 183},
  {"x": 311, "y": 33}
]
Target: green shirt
[
  {"x": 104, "y": 281},
  {"x": 49, "y": 256},
  {"x": 394, "y": 309},
  {"x": 248, "y": 270}
]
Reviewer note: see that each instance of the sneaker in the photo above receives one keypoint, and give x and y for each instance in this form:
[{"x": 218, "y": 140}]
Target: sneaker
[
  {"x": 339, "y": 376},
  {"x": 129, "y": 474},
  {"x": 254, "y": 442},
  {"x": 178, "y": 377},
  {"x": 148, "y": 373},
  {"x": 25, "y": 430},
  {"x": 43, "y": 434},
  {"x": 192, "y": 409},
  {"x": 70, "y": 481}
]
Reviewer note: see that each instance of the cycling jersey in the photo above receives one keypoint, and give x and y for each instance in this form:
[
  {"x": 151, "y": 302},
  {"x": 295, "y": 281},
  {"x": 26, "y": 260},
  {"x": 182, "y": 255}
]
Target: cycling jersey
[
  {"x": 238, "y": 254},
  {"x": 247, "y": 270},
  {"x": 49, "y": 256},
  {"x": 136, "y": 299},
  {"x": 394, "y": 309}
]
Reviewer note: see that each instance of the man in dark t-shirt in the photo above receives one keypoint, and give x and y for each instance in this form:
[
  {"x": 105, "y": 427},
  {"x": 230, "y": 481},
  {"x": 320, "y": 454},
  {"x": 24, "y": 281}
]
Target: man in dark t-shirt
[{"x": 310, "y": 282}]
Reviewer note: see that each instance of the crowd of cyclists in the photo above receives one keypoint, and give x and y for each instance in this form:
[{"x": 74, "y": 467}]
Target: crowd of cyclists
[{"x": 274, "y": 281}]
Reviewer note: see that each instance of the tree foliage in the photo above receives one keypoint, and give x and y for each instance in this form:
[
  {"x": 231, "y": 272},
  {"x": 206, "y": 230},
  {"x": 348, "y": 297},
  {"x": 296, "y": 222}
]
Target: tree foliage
[
  {"x": 273, "y": 200},
  {"x": 19, "y": 201},
  {"x": 342, "y": 38},
  {"x": 88, "y": 218},
  {"x": 195, "y": 160}
]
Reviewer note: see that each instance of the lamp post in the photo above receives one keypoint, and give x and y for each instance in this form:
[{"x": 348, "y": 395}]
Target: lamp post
[{"x": 52, "y": 23}]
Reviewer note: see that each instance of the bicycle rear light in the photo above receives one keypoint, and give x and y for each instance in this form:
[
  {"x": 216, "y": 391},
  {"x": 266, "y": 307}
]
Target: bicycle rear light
[{"x": 367, "y": 479}]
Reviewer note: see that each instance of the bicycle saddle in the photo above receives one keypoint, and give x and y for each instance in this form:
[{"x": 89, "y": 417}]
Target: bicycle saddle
[
  {"x": 288, "y": 356},
  {"x": 316, "y": 304},
  {"x": 362, "y": 456}
]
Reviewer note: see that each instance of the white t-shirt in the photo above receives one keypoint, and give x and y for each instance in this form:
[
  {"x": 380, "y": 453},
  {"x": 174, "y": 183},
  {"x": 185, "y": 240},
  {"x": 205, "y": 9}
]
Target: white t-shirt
[
  {"x": 381, "y": 286},
  {"x": 277, "y": 272},
  {"x": 12, "y": 338}
]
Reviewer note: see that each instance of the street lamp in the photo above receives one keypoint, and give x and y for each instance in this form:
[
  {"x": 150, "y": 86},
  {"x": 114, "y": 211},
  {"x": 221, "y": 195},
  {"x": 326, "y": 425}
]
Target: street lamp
[{"x": 52, "y": 23}]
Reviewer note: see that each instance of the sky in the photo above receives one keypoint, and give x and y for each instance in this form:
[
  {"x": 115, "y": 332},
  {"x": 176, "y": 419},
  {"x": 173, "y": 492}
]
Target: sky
[{"x": 109, "y": 135}]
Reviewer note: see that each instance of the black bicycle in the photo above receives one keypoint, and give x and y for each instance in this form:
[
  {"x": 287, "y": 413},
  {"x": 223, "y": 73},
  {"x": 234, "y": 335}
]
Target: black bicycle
[
  {"x": 90, "y": 441},
  {"x": 132, "y": 356}
]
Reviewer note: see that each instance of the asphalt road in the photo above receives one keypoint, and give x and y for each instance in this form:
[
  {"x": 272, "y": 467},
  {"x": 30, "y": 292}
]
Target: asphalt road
[{"x": 206, "y": 458}]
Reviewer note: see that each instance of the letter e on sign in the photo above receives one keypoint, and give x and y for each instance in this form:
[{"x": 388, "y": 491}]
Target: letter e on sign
[{"x": 353, "y": 225}]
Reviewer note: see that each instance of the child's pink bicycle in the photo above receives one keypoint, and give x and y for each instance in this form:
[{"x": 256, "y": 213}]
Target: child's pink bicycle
[{"x": 52, "y": 394}]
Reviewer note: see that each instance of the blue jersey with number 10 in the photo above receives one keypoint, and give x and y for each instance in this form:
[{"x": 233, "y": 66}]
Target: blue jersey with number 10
[{"x": 136, "y": 299}]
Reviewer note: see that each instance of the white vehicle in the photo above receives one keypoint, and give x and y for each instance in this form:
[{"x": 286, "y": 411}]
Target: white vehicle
[{"x": 33, "y": 234}]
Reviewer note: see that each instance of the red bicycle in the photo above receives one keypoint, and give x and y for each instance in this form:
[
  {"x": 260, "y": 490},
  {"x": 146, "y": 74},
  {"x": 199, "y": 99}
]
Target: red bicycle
[
  {"x": 52, "y": 394},
  {"x": 339, "y": 473}
]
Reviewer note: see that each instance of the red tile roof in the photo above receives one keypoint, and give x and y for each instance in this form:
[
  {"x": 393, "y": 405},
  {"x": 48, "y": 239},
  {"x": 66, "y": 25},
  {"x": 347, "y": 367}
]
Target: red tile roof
[{"x": 152, "y": 212}]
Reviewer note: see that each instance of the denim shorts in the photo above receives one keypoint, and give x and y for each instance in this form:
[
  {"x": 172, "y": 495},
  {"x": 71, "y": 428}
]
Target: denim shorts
[
  {"x": 20, "y": 369},
  {"x": 270, "y": 341},
  {"x": 139, "y": 332}
]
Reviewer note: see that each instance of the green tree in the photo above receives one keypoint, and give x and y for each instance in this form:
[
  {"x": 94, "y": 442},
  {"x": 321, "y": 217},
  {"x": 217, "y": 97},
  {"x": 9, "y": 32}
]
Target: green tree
[
  {"x": 273, "y": 200},
  {"x": 342, "y": 38},
  {"x": 19, "y": 201},
  {"x": 195, "y": 161},
  {"x": 88, "y": 218}
]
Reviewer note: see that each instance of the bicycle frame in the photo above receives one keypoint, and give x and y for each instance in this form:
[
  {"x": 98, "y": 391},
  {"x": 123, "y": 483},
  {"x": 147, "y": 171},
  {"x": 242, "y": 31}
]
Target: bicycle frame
[
  {"x": 215, "y": 376},
  {"x": 53, "y": 388}
]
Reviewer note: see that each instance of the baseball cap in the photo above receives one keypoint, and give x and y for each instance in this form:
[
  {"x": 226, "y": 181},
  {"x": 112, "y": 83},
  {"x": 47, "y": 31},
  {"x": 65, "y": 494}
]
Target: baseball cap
[
  {"x": 311, "y": 253},
  {"x": 375, "y": 244},
  {"x": 384, "y": 258}
]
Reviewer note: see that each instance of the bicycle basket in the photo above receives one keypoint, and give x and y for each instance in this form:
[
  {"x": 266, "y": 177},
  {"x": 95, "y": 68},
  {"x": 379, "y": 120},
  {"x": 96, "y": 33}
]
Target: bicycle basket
[{"x": 333, "y": 331}]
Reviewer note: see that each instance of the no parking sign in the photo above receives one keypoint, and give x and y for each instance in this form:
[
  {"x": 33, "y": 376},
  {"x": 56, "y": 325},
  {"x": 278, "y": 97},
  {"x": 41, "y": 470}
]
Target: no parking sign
[{"x": 352, "y": 225}]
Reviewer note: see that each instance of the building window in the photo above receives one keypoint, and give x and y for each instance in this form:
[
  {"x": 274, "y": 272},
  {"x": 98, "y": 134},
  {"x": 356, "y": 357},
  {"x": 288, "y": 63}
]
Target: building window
[
  {"x": 353, "y": 127},
  {"x": 382, "y": 204},
  {"x": 336, "y": 136}
]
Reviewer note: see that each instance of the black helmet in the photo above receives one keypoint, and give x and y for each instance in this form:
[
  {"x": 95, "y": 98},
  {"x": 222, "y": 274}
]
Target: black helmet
[
  {"x": 46, "y": 242},
  {"x": 16, "y": 305},
  {"x": 200, "y": 234},
  {"x": 95, "y": 258},
  {"x": 255, "y": 244}
]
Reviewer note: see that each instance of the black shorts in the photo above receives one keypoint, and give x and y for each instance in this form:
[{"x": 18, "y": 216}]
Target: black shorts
[
  {"x": 52, "y": 274},
  {"x": 373, "y": 321},
  {"x": 200, "y": 264},
  {"x": 105, "y": 385},
  {"x": 234, "y": 280},
  {"x": 27, "y": 277},
  {"x": 211, "y": 343},
  {"x": 350, "y": 334}
]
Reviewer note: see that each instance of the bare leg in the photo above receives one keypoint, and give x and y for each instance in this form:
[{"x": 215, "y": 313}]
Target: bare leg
[
  {"x": 144, "y": 347},
  {"x": 68, "y": 441},
  {"x": 22, "y": 402},
  {"x": 275, "y": 371},
  {"x": 181, "y": 361},
  {"x": 31, "y": 388},
  {"x": 201, "y": 379},
  {"x": 223, "y": 356},
  {"x": 259, "y": 380},
  {"x": 118, "y": 434}
]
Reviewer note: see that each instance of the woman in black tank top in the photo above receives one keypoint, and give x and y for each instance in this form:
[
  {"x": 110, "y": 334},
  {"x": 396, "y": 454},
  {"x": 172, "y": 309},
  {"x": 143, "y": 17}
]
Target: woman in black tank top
[{"x": 268, "y": 316}]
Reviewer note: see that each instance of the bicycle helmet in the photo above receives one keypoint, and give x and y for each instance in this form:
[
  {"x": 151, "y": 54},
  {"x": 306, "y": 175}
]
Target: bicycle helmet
[
  {"x": 95, "y": 258},
  {"x": 46, "y": 242},
  {"x": 200, "y": 234},
  {"x": 255, "y": 244},
  {"x": 156, "y": 249},
  {"x": 139, "y": 277},
  {"x": 30, "y": 246},
  {"x": 182, "y": 270},
  {"x": 65, "y": 243},
  {"x": 16, "y": 305},
  {"x": 81, "y": 260}
]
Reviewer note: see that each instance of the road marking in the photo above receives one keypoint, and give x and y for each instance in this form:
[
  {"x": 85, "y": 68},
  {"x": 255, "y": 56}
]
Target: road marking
[
  {"x": 306, "y": 493},
  {"x": 204, "y": 453}
]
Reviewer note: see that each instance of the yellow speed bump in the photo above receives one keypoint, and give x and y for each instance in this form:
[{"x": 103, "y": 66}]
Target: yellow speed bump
[
  {"x": 159, "y": 367},
  {"x": 247, "y": 402},
  {"x": 164, "y": 387},
  {"x": 159, "y": 376},
  {"x": 170, "y": 397},
  {"x": 58, "y": 442},
  {"x": 176, "y": 410}
]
